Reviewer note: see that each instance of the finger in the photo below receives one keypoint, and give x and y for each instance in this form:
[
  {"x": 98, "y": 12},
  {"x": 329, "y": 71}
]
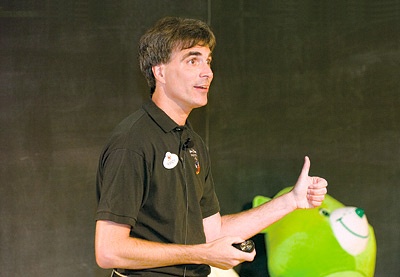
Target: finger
[
  {"x": 318, "y": 182},
  {"x": 248, "y": 256},
  {"x": 315, "y": 201},
  {"x": 237, "y": 240},
  {"x": 319, "y": 197},
  {"x": 317, "y": 191},
  {"x": 306, "y": 167}
]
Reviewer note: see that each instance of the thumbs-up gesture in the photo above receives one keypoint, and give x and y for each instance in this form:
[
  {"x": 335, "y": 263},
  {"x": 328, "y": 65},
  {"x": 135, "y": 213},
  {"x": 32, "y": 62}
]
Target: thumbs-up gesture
[{"x": 309, "y": 192}]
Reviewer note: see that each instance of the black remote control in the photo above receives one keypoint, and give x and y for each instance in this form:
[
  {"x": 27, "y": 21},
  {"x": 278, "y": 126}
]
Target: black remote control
[{"x": 246, "y": 246}]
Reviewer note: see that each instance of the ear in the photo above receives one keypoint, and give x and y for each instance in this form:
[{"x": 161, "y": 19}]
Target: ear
[{"x": 158, "y": 72}]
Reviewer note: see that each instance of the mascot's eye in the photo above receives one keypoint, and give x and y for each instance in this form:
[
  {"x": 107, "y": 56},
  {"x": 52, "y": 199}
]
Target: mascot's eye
[{"x": 324, "y": 212}]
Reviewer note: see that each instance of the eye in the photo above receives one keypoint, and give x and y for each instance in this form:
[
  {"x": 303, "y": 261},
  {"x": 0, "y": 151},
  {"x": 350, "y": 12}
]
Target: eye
[
  {"x": 192, "y": 61},
  {"x": 324, "y": 212}
]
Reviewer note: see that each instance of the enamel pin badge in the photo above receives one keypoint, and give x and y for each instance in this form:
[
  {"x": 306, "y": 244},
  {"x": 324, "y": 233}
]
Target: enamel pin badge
[{"x": 193, "y": 153}]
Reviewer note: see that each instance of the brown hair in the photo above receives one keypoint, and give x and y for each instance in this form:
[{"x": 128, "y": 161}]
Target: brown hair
[{"x": 167, "y": 35}]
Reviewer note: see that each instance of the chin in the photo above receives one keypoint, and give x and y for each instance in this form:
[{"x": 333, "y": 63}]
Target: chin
[{"x": 199, "y": 104}]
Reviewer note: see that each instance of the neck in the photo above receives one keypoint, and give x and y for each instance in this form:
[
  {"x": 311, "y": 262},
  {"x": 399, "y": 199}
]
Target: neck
[{"x": 171, "y": 108}]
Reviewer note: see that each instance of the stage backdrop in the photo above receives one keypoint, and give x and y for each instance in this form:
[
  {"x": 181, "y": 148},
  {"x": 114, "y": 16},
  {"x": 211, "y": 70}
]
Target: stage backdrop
[{"x": 292, "y": 78}]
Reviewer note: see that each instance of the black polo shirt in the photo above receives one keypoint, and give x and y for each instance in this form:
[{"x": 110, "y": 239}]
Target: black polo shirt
[{"x": 155, "y": 176}]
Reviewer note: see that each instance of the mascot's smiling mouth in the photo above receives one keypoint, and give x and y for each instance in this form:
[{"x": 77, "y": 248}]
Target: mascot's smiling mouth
[{"x": 350, "y": 227}]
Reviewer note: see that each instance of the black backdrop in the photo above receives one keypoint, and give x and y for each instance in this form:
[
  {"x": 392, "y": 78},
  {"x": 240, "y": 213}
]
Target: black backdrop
[{"x": 292, "y": 78}]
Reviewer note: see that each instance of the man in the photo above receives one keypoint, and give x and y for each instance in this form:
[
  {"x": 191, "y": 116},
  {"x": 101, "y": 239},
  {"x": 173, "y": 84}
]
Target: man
[{"x": 158, "y": 214}]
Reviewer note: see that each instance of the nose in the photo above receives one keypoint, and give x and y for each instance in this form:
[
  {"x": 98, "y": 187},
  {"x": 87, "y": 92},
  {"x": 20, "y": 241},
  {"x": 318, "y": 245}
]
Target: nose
[
  {"x": 207, "y": 72},
  {"x": 360, "y": 212}
]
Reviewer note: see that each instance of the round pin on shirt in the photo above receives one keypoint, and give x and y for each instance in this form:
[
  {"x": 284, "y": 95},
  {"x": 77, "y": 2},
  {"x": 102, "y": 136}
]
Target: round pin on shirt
[{"x": 170, "y": 160}]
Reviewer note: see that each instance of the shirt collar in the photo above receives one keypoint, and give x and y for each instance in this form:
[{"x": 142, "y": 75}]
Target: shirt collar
[{"x": 161, "y": 118}]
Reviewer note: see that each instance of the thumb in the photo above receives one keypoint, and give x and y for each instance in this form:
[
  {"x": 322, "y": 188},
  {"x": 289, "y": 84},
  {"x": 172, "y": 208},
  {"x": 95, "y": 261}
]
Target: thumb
[
  {"x": 306, "y": 168},
  {"x": 301, "y": 186}
]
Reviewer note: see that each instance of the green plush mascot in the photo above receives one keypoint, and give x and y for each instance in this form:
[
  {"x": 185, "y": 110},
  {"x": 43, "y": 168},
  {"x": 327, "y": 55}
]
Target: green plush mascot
[{"x": 329, "y": 241}]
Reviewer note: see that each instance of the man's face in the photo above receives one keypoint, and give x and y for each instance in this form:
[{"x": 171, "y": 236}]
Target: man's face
[{"x": 188, "y": 76}]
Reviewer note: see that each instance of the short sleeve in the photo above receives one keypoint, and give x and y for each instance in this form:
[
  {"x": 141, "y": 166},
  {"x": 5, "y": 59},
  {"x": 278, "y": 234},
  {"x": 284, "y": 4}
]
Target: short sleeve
[{"x": 120, "y": 186}]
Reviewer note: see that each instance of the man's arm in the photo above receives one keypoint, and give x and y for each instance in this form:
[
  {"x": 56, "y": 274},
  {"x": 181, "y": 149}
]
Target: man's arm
[
  {"x": 309, "y": 192},
  {"x": 114, "y": 248}
]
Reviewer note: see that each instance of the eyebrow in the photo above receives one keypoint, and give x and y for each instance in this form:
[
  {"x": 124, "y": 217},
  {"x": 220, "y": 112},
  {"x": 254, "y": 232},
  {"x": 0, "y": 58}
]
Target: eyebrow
[{"x": 194, "y": 53}]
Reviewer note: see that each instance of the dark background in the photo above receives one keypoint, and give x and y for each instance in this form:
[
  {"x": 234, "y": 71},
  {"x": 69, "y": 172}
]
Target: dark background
[{"x": 292, "y": 78}]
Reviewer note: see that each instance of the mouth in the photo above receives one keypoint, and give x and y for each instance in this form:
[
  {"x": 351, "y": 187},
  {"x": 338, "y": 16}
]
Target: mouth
[{"x": 203, "y": 87}]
